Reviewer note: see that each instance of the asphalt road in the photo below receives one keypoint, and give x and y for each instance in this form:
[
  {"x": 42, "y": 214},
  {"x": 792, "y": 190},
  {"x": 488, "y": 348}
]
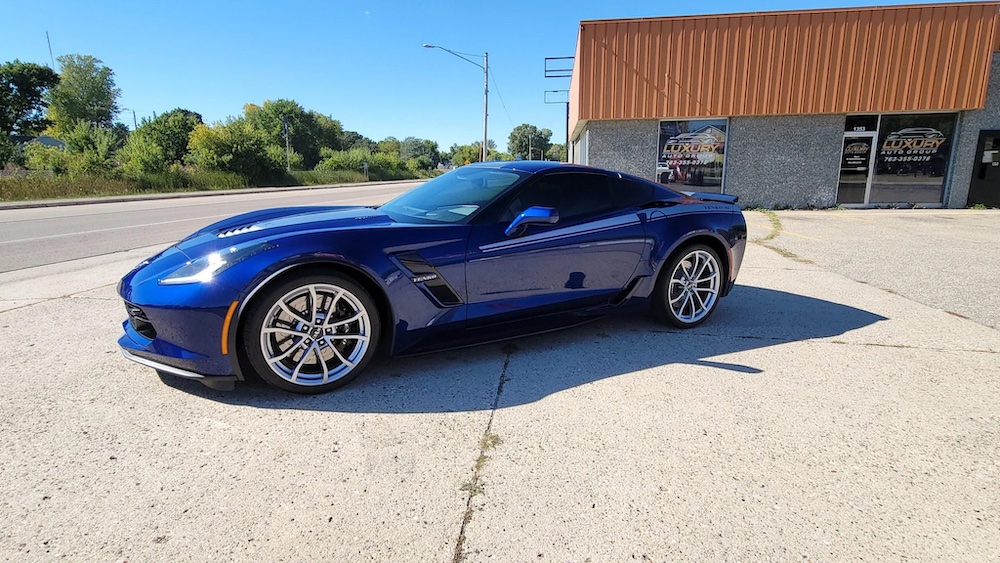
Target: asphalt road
[
  {"x": 815, "y": 417},
  {"x": 47, "y": 235}
]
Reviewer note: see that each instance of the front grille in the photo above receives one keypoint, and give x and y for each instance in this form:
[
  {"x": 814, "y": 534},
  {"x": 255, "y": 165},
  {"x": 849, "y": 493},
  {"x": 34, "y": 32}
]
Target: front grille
[{"x": 140, "y": 322}]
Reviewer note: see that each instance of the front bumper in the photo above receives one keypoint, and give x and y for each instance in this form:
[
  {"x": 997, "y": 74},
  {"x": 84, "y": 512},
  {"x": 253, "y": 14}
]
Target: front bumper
[{"x": 166, "y": 358}]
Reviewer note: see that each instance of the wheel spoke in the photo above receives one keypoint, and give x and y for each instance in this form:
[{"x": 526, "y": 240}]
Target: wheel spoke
[
  {"x": 358, "y": 337},
  {"x": 686, "y": 269},
  {"x": 302, "y": 362},
  {"x": 701, "y": 303},
  {"x": 284, "y": 307},
  {"x": 279, "y": 330},
  {"x": 704, "y": 264},
  {"x": 313, "y": 303},
  {"x": 351, "y": 319},
  {"x": 322, "y": 364},
  {"x": 291, "y": 350},
  {"x": 340, "y": 356}
]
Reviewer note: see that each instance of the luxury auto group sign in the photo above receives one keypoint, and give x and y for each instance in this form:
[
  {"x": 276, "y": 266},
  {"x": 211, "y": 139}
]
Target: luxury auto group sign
[
  {"x": 912, "y": 144},
  {"x": 692, "y": 152}
]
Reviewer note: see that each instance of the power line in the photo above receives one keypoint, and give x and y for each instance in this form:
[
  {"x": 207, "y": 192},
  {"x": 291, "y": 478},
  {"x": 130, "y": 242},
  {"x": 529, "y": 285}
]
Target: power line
[{"x": 497, "y": 88}]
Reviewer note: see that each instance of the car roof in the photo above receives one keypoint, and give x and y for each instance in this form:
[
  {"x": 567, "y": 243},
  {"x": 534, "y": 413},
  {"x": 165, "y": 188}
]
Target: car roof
[{"x": 536, "y": 166}]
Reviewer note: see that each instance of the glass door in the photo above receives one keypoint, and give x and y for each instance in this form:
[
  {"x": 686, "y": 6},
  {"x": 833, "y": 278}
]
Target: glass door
[
  {"x": 856, "y": 168},
  {"x": 985, "y": 187}
]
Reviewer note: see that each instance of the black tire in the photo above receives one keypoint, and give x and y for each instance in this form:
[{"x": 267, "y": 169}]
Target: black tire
[
  {"x": 296, "y": 323},
  {"x": 686, "y": 303}
]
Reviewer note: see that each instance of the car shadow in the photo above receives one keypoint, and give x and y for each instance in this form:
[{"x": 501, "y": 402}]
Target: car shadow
[{"x": 534, "y": 367}]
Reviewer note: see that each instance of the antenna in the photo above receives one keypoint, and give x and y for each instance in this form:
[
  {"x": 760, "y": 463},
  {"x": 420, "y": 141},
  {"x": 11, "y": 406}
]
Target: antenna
[{"x": 49, "y": 41}]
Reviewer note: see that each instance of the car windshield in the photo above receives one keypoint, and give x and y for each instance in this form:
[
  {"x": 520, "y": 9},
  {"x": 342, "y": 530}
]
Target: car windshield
[{"x": 452, "y": 197}]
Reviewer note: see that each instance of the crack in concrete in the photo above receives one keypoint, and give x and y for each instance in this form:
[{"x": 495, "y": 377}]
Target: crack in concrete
[{"x": 488, "y": 441}]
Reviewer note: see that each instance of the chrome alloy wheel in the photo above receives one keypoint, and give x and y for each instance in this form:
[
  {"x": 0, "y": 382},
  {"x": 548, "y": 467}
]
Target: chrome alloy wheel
[
  {"x": 694, "y": 286},
  {"x": 315, "y": 334}
]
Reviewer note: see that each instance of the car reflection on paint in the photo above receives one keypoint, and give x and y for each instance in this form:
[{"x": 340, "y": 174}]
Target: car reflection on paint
[{"x": 305, "y": 297}]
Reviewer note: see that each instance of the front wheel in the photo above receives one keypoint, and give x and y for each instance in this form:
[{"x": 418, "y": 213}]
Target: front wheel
[
  {"x": 688, "y": 290},
  {"x": 311, "y": 334}
]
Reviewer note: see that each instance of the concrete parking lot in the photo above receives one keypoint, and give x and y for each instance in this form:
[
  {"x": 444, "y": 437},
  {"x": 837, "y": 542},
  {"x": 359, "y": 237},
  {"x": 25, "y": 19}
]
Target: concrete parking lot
[{"x": 839, "y": 405}]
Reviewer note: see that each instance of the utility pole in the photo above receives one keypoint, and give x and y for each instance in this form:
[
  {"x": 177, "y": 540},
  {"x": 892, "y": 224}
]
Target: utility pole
[
  {"x": 288, "y": 146},
  {"x": 51, "y": 58}
]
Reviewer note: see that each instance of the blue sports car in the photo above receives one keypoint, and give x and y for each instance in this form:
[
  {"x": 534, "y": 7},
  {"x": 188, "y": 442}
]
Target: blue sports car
[{"x": 304, "y": 297}]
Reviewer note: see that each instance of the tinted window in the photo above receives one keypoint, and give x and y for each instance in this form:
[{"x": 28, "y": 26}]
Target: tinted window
[
  {"x": 572, "y": 195},
  {"x": 452, "y": 197},
  {"x": 630, "y": 192}
]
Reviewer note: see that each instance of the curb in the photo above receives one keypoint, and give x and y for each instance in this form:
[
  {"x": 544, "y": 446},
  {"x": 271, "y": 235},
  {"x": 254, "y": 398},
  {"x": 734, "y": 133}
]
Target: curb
[{"x": 5, "y": 205}]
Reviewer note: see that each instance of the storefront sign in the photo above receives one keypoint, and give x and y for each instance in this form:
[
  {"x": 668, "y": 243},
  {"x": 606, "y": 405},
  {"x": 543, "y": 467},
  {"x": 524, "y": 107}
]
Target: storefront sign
[
  {"x": 912, "y": 159},
  {"x": 692, "y": 153}
]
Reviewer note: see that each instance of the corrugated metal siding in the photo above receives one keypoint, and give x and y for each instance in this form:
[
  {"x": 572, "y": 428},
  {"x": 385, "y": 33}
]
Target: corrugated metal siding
[{"x": 910, "y": 58}]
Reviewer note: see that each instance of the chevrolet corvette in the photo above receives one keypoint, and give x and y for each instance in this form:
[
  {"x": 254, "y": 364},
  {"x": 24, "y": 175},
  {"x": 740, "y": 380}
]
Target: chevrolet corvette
[{"x": 305, "y": 297}]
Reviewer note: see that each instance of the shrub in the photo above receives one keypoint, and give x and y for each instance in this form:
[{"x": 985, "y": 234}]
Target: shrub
[{"x": 141, "y": 155}]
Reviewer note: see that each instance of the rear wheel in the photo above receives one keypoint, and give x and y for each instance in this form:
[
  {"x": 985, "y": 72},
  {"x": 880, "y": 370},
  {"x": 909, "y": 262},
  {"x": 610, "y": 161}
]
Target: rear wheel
[
  {"x": 311, "y": 334},
  {"x": 688, "y": 290}
]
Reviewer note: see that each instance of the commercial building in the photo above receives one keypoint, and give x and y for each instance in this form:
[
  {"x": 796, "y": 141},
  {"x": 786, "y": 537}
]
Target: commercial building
[{"x": 856, "y": 107}]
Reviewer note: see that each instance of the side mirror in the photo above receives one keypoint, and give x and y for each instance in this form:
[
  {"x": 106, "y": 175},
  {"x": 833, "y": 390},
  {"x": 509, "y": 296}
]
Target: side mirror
[{"x": 532, "y": 216}]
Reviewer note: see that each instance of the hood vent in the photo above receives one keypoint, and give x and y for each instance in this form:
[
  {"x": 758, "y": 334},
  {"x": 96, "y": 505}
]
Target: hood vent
[{"x": 240, "y": 231}]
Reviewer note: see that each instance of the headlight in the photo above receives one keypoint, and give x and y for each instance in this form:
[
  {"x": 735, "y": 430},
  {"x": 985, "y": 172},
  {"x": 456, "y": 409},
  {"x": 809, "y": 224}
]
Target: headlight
[{"x": 207, "y": 267}]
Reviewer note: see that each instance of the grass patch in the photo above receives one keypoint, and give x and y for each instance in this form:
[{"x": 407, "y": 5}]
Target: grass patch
[
  {"x": 776, "y": 229},
  {"x": 45, "y": 185},
  {"x": 775, "y": 226}
]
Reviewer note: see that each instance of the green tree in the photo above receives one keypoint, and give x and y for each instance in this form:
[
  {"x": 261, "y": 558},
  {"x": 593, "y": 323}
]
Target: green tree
[
  {"x": 330, "y": 132},
  {"x": 526, "y": 136},
  {"x": 86, "y": 92},
  {"x": 23, "y": 87},
  {"x": 170, "y": 132},
  {"x": 389, "y": 145},
  {"x": 557, "y": 152},
  {"x": 233, "y": 146},
  {"x": 351, "y": 140},
  {"x": 93, "y": 147},
  {"x": 308, "y": 131},
  {"x": 412, "y": 148},
  {"x": 141, "y": 154}
]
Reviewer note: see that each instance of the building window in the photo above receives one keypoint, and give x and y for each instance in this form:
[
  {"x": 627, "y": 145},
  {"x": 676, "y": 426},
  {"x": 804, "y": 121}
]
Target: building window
[
  {"x": 912, "y": 158},
  {"x": 692, "y": 153}
]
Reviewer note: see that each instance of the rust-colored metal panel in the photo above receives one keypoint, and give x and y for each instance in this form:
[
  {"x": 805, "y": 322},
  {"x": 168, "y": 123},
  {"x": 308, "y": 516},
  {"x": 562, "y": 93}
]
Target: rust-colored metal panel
[{"x": 931, "y": 57}]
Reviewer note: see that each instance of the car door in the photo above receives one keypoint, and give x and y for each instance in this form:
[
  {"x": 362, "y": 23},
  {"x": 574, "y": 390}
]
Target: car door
[{"x": 584, "y": 259}]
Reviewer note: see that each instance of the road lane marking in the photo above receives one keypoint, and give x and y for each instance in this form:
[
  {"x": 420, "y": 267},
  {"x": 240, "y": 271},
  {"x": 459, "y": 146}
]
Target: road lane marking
[{"x": 109, "y": 229}]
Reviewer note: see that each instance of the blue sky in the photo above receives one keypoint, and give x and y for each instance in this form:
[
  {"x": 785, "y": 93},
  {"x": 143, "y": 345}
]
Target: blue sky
[{"x": 359, "y": 61}]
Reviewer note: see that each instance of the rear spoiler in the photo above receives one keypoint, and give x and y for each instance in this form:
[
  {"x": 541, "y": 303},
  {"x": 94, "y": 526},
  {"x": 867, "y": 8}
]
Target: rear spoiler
[{"x": 722, "y": 198}]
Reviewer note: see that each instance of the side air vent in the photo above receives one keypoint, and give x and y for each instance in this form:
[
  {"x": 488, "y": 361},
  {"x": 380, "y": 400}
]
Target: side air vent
[{"x": 427, "y": 278}]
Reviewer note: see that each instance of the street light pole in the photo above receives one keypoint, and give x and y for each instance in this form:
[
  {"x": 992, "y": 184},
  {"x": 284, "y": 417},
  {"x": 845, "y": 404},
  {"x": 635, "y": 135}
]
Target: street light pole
[
  {"x": 486, "y": 89},
  {"x": 486, "y": 101}
]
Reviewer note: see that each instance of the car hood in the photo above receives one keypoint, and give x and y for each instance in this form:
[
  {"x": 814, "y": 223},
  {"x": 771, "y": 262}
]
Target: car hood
[{"x": 275, "y": 223}]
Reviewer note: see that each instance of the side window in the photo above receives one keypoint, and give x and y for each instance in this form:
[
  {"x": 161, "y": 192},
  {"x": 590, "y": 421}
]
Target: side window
[
  {"x": 573, "y": 195},
  {"x": 629, "y": 192}
]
